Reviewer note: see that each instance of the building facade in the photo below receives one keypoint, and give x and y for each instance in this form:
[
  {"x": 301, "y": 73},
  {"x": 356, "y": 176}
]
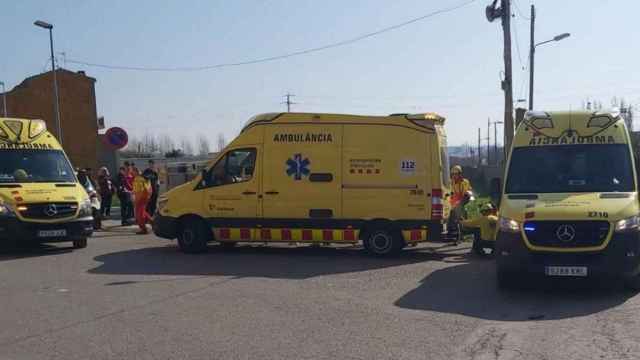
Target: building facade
[{"x": 33, "y": 98}]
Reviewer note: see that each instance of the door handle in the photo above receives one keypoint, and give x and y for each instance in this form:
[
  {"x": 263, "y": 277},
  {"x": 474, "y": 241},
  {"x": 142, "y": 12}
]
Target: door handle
[
  {"x": 249, "y": 193},
  {"x": 272, "y": 193}
]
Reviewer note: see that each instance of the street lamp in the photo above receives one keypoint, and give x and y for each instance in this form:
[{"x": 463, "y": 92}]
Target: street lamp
[
  {"x": 532, "y": 52},
  {"x": 495, "y": 140},
  {"x": 49, "y": 27},
  {"x": 4, "y": 98}
]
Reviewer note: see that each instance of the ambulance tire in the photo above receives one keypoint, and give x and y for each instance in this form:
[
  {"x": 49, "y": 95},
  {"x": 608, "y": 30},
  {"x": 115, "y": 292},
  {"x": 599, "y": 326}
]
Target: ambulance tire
[
  {"x": 80, "y": 243},
  {"x": 193, "y": 236},
  {"x": 383, "y": 241},
  {"x": 227, "y": 245},
  {"x": 632, "y": 283}
]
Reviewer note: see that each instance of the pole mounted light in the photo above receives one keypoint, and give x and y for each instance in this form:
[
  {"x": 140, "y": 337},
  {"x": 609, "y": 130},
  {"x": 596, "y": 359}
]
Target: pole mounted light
[
  {"x": 532, "y": 51},
  {"x": 43, "y": 24},
  {"x": 56, "y": 104}
]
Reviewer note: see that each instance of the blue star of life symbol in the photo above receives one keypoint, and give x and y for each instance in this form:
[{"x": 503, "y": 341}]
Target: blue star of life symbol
[{"x": 298, "y": 167}]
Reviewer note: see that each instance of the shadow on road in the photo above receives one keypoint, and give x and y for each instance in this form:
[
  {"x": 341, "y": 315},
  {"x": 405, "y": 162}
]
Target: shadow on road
[
  {"x": 33, "y": 250},
  {"x": 470, "y": 289},
  {"x": 252, "y": 261}
]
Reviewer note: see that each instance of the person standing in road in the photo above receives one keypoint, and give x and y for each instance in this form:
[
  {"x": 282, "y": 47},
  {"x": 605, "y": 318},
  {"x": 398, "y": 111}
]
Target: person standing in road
[
  {"x": 125, "y": 196},
  {"x": 129, "y": 179},
  {"x": 105, "y": 189},
  {"x": 151, "y": 174},
  {"x": 141, "y": 195}
]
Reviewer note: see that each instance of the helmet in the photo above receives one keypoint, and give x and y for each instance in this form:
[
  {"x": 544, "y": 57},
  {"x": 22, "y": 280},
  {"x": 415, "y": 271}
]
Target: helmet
[
  {"x": 487, "y": 207},
  {"x": 457, "y": 169}
]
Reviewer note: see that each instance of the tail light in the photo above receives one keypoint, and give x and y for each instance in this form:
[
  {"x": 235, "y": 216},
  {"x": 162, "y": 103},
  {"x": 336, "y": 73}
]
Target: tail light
[{"x": 436, "y": 204}]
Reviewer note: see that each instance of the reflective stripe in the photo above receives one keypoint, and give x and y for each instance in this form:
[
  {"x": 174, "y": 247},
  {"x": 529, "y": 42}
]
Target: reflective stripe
[
  {"x": 267, "y": 234},
  {"x": 414, "y": 235}
]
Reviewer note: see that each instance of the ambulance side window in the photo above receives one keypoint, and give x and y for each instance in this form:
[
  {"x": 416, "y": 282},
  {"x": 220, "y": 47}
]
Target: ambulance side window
[{"x": 235, "y": 167}]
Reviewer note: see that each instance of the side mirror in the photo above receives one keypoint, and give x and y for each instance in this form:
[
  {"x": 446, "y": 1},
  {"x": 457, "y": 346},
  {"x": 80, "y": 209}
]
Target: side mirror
[
  {"x": 203, "y": 176},
  {"x": 495, "y": 191}
]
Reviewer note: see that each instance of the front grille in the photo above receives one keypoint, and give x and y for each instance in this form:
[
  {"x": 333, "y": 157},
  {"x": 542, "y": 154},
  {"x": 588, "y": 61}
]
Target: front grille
[
  {"x": 49, "y": 211},
  {"x": 558, "y": 233}
]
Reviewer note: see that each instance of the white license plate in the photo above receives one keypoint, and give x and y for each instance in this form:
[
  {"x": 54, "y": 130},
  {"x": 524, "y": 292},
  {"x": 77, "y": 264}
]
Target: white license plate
[
  {"x": 566, "y": 271},
  {"x": 52, "y": 233}
]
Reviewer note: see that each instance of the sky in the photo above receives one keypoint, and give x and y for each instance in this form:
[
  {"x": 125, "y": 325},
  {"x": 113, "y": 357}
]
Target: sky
[{"x": 450, "y": 63}]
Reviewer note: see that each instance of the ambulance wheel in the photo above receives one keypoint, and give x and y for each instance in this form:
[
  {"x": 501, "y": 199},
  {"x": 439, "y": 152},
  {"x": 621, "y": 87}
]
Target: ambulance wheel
[
  {"x": 383, "y": 242},
  {"x": 80, "y": 243},
  {"x": 632, "y": 283},
  {"x": 193, "y": 236}
]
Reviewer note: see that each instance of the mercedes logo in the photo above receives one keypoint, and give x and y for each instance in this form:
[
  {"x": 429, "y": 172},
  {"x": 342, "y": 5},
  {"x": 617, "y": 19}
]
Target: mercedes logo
[
  {"x": 51, "y": 210},
  {"x": 565, "y": 233}
]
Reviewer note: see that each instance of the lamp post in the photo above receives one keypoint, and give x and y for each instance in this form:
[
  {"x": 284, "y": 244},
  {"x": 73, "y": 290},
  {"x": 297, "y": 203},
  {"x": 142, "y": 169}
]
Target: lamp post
[
  {"x": 4, "y": 98},
  {"x": 495, "y": 140},
  {"x": 56, "y": 105},
  {"x": 532, "y": 52}
]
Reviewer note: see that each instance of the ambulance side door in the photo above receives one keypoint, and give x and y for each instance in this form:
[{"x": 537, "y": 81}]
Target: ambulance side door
[
  {"x": 302, "y": 172},
  {"x": 231, "y": 187}
]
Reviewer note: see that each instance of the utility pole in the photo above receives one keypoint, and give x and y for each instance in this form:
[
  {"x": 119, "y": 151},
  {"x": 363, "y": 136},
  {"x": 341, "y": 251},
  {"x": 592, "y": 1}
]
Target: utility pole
[
  {"x": 495, "y": 141},
  {"x": 532, "y": 49},
  {"x": 492, "y": 12},
  {"x": 479, "y": 149},
  {"x": 288, "y": 101},
  {"x": 488, "y": 141},
  {"x": 4, "y": 98},
  {"x": 507, "y": 83}
]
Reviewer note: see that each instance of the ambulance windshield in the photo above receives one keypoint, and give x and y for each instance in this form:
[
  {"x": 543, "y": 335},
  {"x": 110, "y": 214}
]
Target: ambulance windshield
[
  {"x": 28, "y": 166},
  {"x": 570, "y": 168}
]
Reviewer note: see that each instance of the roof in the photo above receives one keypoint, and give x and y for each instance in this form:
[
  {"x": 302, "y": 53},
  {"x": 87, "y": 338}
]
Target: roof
[
  {"x": 59, "y": 71},
  {"x": 332, "y": 117}
]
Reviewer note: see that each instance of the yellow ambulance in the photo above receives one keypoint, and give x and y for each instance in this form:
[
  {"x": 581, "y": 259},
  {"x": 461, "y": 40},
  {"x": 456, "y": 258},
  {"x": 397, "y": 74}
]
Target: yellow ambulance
[
  {"x": 40, "y": 197},
  {"x": 317, "y": 178},
  {"x": 569, "y": 207}
]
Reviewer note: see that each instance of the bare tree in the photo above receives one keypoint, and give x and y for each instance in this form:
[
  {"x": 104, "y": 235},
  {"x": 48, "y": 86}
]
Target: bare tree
[
  {"x": 186, "y": 145},
  {"x": 222, "y": 142},
  {"x": 166, "y": 144},
  {"x": 150, "y": 144},
  {"x": 203, "y": 145}
]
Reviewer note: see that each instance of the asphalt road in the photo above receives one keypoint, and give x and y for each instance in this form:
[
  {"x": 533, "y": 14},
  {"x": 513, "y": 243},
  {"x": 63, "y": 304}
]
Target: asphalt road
[{"x": 137, "y": 297}]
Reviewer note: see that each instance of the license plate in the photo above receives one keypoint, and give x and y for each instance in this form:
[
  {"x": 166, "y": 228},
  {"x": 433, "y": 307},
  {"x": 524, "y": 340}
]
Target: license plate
[
  {"x": 52, "y": 233},
  {"x": 566, "y": 271}
]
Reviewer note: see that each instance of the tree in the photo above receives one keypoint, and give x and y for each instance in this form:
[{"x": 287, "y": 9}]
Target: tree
[
  {"x": 175, "y": 153},
  {"x": 203, "y": 145},
  {"x": 166, "y": 144},
  {"x": 186, "y": 146},
  {"x": 222, "y": 142}
]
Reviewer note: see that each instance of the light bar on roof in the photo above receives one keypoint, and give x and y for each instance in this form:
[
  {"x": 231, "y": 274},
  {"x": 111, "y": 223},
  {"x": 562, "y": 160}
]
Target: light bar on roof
[
  {"x": 599, "y": 121},
  {"x": 36, "y": 127}
]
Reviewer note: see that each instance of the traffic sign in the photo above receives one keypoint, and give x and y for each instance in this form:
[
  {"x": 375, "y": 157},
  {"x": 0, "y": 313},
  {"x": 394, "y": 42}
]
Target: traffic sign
[{"x": 116, "y": 138}]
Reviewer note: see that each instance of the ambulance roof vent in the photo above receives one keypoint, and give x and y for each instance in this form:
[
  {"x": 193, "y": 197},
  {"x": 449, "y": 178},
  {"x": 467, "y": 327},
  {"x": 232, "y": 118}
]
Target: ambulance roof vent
[
  {"x": 426, "y": 119},
  {"x": 266, "y": 117},
  {"x": 612, "y": 113}
]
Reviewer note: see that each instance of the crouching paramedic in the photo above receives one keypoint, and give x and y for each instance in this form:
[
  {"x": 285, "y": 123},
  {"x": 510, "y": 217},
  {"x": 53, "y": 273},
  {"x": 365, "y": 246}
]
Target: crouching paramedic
[{"x": 484, "y": 228}]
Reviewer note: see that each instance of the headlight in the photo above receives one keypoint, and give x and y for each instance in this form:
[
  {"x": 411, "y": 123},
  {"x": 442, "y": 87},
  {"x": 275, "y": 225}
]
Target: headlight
[
  {"x": 162, "y": 202},
  {"x": 85, "y": 208},
  {"x": 6, "y": 210},
  {"x": 628, "y": 224},
  {"x": 508, "y": 225}
]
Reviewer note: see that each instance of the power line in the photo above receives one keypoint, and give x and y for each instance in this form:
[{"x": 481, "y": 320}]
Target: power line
[
  {"x": 515, "y": 2},
  {"x": 277, "y": 57}
]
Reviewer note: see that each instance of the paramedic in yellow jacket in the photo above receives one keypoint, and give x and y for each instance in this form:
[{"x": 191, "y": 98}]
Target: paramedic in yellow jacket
[
  {"x": 459, "y": 186},
  {"x": 485, "y": 228}
]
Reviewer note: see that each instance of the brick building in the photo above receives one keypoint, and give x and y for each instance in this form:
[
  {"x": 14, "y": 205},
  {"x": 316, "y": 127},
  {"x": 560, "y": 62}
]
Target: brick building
[{"x": 33, "y": 99}]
